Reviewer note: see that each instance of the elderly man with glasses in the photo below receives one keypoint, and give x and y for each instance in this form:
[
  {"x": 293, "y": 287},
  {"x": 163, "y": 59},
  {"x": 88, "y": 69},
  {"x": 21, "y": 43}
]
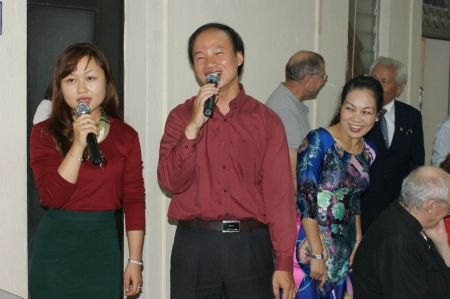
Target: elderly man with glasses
[
  {"x": 405, "y": 253},
  {"x": 305, "y": 76}
]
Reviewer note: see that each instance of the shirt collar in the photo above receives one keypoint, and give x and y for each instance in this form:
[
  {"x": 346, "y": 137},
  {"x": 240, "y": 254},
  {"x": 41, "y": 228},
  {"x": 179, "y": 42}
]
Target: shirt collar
[
  {"x": 408, "y": 218},
  {"x": 389, "y": 106},
  {"x": 286, "y": 90},
  {"x": 294, "y": 99},
  {"x": 239, "y": 101}
]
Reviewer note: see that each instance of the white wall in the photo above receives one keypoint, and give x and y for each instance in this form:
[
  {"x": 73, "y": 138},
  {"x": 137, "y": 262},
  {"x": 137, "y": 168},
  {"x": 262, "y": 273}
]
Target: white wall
[
  {"x": 400, "y": 38},
  {"x": 158, "y": 77},
  {"x": 13, "y": 151},
  {"x": 435, "y": 89},
  {"x": 158, "y": 71}
]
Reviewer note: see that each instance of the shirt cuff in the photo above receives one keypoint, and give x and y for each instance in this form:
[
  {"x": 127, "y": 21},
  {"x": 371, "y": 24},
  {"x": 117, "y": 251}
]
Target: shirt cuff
[
  {"x": 284, "y": 263},
  {"x": 187, "y": 146}
]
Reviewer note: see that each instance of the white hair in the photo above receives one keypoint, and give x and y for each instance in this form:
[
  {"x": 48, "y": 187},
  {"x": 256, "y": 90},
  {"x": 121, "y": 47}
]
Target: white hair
[
  {"x": 420, "y": 187},
  {"x": 401, "y": 73}
]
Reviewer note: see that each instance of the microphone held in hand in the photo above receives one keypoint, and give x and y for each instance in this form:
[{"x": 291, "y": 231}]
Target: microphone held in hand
[
  {"x": 94, "y": 152},
  {"x": 208, "y": 109}
]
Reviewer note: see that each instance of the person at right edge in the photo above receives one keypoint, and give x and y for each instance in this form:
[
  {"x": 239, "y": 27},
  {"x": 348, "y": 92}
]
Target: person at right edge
[
  {"x": 446, "y": 166},
  {"x": 405, "y": 253},
  {"x": 231, "y": 183},
  {"x": 398, "y": 139}
]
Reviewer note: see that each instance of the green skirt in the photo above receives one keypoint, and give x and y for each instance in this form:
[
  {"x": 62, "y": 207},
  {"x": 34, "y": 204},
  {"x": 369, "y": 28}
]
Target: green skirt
[{"x": 76, "y": 255}]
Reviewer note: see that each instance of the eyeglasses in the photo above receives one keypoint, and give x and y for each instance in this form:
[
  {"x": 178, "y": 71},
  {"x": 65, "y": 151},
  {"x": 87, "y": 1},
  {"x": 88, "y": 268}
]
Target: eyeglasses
[{"x": 324, "y": 76}]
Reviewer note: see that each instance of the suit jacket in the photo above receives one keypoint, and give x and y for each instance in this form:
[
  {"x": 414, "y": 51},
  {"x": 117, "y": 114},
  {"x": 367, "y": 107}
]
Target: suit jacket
[{"x": 392, "y": 165}]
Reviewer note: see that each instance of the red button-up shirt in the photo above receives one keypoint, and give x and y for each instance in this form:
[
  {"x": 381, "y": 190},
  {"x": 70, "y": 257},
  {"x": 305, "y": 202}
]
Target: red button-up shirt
[{"x": 237, "y": 168}]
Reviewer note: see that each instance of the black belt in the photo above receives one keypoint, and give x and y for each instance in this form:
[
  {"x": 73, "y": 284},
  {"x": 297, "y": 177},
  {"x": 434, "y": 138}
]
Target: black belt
[{"x": 225, "y": 226}]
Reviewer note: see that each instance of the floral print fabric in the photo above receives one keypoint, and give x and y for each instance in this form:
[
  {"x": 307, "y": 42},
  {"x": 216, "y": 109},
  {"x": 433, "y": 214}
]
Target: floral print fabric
[{"x": 330, "y": 184}]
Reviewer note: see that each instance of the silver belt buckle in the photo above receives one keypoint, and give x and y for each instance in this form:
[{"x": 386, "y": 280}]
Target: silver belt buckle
[{"x": 231, "y": 226}]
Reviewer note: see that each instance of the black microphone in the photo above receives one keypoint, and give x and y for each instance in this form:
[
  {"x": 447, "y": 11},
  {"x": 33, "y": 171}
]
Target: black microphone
[
  {"x": 94, "y": 152},
  {"x": 208, "y": 109}
]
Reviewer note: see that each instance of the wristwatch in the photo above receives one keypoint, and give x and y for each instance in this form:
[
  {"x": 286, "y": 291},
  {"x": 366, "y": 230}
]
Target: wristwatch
[{"x": 317, "y": 256}]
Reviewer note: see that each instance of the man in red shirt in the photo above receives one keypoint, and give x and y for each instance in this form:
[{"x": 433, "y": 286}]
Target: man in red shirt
[{"x": 231, "y": 183}]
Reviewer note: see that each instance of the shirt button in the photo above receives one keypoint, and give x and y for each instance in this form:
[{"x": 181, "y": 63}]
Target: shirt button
[
  {"x": 224, "y": 167},
  {"x": 185, "y": 146},
  {"x": 225, "y": 119},
  {"x": 195, "y": 145},
  {"x": 227, "y": 214},
  {"x": 225, "y": 190}
]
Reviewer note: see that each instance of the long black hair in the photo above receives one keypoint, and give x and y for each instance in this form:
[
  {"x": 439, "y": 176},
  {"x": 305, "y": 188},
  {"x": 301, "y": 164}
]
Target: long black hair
[{"x": 360, "y": 82}]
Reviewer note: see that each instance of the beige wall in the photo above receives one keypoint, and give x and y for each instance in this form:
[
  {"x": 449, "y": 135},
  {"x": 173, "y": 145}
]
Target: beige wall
[
  {"x": 159, "y": 73},
  {"x": 158, "y": 77},
  {"x": 435, "y": 89},
  {"x": 400, "y": 38},
  {"x": 13, "y": 151}
]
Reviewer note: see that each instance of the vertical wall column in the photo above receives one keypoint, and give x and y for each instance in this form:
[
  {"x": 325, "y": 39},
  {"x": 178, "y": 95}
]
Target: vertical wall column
[
  {"x": 13, "y": 152},
  {"x": 146, "y": 110},
  {"x": 400, "y": 38}
]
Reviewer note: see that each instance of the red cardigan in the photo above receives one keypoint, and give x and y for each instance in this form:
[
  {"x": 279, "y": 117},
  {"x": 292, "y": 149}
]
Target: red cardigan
[{"x": 121, "y": 184}]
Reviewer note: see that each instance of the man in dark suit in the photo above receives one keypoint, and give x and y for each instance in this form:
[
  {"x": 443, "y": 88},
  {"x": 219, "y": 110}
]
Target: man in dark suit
[{"x": 398, "y": 138}]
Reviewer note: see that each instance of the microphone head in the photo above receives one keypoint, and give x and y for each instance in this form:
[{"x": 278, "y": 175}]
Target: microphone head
[
  {"x": 82, "y": 108},
  {"x": 213, "y": 78}
]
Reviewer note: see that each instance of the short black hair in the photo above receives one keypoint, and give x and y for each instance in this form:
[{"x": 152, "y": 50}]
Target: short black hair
[
  {"x": 360, "y": 82},
  {"x": 236, "y": 40}
]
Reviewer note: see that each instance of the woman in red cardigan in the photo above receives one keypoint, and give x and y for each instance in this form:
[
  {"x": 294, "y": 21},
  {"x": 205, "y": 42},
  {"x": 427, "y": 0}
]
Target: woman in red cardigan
[{"x": 76, "y": 251}]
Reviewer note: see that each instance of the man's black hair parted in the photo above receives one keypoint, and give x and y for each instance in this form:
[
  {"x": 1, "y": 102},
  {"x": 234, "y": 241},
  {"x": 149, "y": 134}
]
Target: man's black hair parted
[
  {"x": 236, "y": 40},
  {"x": 360, "y": 82}
]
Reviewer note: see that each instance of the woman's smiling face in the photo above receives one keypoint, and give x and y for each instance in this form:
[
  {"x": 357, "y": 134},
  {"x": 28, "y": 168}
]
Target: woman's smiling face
[{"x": 358, "y": 113}]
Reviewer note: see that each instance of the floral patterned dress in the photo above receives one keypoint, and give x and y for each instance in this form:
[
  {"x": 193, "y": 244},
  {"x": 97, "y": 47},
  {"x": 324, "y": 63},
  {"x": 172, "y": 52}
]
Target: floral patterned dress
[{"x": 330, "y": 184}]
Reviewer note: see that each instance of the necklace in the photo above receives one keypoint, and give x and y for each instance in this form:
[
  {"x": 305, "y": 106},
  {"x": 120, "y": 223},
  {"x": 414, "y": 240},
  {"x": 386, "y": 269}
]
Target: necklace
[{"x": 346, "y": 142}]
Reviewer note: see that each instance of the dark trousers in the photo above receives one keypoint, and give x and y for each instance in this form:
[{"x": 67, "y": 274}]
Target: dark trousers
[{"x": 207, "y": 264}]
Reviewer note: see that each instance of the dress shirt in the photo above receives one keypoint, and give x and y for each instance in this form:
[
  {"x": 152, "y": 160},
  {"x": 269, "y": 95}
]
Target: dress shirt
[
  {"x": 441, "y": 145},
  {"x": 121, "y": 184},
  {"x": 237, "y": 168},
  {"x": 390, "y": 119}
]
